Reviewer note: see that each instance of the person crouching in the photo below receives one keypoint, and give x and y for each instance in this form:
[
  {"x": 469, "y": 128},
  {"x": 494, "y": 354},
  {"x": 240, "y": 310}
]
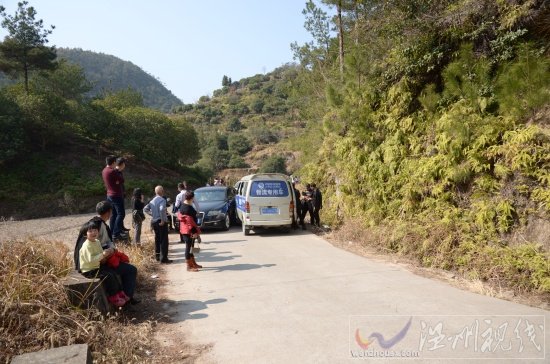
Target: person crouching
[{"x": 189, "y": 230}]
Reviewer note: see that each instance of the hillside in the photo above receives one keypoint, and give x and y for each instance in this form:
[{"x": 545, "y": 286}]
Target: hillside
[
  {"x": 434, "y": 118},
  {"x": 107, "y": 72},
  {"x": 248, "y": 123},
  {"x": 69, "y": 181},
  {"x": 54, "y": 142}
]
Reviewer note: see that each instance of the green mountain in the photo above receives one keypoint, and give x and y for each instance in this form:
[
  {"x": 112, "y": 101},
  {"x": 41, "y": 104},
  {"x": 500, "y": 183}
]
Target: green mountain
[
  {"x": 107, "y": 72},
  {"x": 247, "y": 123}
]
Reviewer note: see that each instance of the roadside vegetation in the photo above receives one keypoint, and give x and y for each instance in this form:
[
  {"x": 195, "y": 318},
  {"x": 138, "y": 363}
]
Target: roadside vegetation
[
  {"x": 434, "y": 138},
  {"x": 36, "y": 313}
]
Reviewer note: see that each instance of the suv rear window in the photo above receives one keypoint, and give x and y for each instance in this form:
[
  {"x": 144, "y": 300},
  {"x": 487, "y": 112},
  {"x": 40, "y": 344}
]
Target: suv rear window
[{"x": 269, "y": 189}]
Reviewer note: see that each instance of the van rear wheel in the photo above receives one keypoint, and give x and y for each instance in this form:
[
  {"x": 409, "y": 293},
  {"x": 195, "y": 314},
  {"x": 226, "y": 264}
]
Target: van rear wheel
[
  {"x": 246, "y": 229},
  {"x": 286, "y": 229}
]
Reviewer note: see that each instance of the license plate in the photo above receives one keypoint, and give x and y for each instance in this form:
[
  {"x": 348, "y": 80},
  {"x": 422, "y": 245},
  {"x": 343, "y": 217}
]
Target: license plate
[{"x": 269, "y": 210}]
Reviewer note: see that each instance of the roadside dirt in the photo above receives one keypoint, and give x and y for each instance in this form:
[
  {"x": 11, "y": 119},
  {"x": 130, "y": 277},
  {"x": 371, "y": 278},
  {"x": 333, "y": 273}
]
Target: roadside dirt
[
  {"x": 63, "y": 229},
  {"x": 451, "y": 278}
]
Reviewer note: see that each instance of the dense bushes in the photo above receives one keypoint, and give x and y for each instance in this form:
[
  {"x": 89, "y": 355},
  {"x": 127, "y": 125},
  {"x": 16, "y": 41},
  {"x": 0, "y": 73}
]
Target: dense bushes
[
  {"x": 43, "y": 119},
  {"x": 12, "y": 133},
  {"x": 273, "y": 164},
  {"x": 464, "y": 169},
  {"x": 438, "y": 149}
]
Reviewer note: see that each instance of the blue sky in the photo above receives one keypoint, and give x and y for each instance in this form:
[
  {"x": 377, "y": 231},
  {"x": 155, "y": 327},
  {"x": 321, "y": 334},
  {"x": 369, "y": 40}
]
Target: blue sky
[{"x": 188, "y": 45}]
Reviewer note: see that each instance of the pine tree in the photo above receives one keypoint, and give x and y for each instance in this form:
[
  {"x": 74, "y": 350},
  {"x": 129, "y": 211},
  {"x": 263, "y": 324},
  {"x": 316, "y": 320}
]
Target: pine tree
[
  {"x": 24, "y": 48},
  {"x": 226, "y": 81}
]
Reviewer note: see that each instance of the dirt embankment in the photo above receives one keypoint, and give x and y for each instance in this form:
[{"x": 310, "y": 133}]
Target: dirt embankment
[{"x": 63, "y": 228}]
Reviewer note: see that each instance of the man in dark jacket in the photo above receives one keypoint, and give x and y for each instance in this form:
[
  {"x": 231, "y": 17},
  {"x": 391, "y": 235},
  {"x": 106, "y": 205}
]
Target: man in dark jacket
[
  {"x": 104, "y": 211},
  {"x": 298, "y": 211},
  {"x": 307, "y": 206},
  {"x": 317, "y": 204}
]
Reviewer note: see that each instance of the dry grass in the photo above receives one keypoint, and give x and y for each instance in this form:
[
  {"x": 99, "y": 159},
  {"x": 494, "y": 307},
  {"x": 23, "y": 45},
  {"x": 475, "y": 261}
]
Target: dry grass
[{"x": 36, "y": 314}]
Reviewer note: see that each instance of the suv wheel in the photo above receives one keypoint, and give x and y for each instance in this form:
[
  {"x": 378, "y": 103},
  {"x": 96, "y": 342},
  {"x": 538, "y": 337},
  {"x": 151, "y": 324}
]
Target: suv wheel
[{"x": 227, "y": 222}]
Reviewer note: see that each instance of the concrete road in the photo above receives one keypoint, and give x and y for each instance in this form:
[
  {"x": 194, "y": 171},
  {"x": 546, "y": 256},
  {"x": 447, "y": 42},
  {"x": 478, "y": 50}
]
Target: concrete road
[{"x": 294, "y": 298}]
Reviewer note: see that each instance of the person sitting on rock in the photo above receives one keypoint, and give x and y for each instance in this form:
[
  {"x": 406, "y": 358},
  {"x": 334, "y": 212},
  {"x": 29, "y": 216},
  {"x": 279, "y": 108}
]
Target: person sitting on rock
[
  {"x": 126, "y": 271},
  {"x": 92, "y": 260}
]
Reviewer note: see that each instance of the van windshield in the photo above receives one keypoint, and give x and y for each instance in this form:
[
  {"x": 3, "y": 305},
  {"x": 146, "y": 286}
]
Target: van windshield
[{"x": 269, "y": 189}]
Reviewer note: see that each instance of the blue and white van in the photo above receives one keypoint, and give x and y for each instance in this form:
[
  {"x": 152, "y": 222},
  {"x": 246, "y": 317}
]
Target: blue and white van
[{"x": 265, "y": 200}]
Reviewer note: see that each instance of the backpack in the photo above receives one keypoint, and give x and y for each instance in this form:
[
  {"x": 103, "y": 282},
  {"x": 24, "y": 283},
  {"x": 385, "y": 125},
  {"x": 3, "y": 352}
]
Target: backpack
[{"x": 138, "y": 217}]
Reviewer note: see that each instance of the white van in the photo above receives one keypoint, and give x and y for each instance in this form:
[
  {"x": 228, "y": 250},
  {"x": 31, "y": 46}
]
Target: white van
[{"x": 265, "y": 200}]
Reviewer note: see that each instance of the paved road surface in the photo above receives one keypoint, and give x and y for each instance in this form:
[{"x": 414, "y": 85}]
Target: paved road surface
[{"x": 278, "y": 298}]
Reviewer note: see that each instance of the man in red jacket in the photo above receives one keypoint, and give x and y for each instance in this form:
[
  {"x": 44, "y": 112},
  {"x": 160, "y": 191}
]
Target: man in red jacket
[{"x": 114, "y": 184}]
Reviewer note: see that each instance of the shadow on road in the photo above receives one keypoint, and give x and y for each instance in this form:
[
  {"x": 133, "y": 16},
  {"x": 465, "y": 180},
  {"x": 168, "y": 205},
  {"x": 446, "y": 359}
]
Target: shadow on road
[
  {"x": 237, "y": 267},
  {"x": 205, "y": 255},
  {"x": 187, "y": 309},
  {"x": 279, "y": 232},
  {"x": 221, "y": 241}
]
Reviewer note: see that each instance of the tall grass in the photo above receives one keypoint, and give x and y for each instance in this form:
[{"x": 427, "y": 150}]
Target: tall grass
[{"x": 35, "y": 313}]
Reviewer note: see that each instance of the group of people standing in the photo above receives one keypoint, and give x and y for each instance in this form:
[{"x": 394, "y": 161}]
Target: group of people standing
[
  {"x": 95, "y": 251},
  {"x": 308, "y": 201},
  {"x": 96, "y": 255},
  {"x": 186, "y": 208}
]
